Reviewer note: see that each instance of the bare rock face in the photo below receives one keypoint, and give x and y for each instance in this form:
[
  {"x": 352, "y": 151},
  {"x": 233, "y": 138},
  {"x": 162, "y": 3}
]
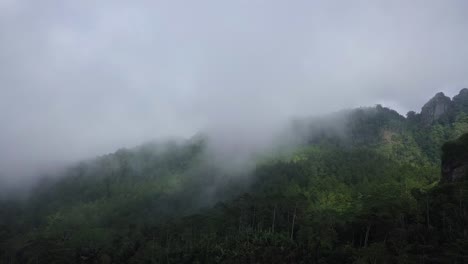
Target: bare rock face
[
  {"x": 436, "y": 109},
  {"x": 455, "y": 160},
  {"x": 460, "y": 101}
]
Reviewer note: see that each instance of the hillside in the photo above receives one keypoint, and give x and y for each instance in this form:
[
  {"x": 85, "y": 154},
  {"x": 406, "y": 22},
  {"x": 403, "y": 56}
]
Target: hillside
[{"x": 359, "y": 186}]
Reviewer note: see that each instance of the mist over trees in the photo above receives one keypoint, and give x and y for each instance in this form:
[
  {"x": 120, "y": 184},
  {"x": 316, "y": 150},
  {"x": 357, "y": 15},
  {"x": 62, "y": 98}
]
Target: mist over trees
[
  {"x": 82, "y": 78},
  {"x": 359, "y": 186},
  {"x": 233, "y": 131}
]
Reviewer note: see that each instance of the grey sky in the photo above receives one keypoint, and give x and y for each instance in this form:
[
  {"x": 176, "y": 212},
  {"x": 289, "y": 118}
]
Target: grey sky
[{"x": 81, "y": 78}]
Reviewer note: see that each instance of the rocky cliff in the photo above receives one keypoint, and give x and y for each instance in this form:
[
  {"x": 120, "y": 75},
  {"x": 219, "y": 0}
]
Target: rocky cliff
[
  {"x": 442, "y": 109},
  {"x": 460, "y": 101},
  {"x": 438, "y": 108}
]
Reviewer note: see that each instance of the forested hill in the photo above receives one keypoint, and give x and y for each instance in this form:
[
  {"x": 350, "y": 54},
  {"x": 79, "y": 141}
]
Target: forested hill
[
  {"x": 359, "y": 186},
  {"x": 419, "y": 136}
]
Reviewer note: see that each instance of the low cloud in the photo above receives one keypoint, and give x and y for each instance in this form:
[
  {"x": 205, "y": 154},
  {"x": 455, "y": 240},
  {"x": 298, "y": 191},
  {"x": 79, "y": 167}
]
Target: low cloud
[{"x": 83, "y": 78}]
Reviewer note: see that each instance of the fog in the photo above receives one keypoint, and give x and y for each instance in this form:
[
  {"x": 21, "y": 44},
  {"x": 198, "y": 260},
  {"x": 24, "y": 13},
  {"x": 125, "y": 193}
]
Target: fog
[{"x": 84, "y": 78}]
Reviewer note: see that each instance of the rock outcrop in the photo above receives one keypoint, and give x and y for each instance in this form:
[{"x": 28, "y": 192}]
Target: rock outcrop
[
  {"x": 455, "y": 160},
  {"x": 442, "y": 109},
  {"x": 460, "y": 101},
  {"x": 437, "y": 109}
]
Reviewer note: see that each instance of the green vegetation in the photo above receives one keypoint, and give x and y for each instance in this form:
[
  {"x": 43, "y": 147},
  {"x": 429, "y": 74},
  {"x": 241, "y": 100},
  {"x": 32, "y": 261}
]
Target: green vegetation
[{"x": 368, "y": 194}]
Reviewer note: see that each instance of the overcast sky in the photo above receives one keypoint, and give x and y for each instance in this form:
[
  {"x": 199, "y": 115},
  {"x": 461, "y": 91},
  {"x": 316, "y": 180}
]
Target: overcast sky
[{"x": 82, "y": 78}]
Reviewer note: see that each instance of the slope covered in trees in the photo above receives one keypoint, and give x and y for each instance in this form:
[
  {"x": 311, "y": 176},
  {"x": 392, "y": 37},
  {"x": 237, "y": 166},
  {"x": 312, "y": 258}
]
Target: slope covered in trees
[{"x": 360, "y": 186}]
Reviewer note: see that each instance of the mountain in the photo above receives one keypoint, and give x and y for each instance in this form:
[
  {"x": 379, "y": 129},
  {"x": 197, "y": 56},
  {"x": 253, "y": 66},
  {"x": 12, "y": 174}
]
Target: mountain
[
  {"x": 460, "y": 101},
  {"x": 358, "y": 186},
  {"x": 438, "y": 109}
]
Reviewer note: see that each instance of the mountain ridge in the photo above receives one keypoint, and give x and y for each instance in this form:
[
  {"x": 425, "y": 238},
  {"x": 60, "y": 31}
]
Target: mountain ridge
[{"x": 362, "y": 186}]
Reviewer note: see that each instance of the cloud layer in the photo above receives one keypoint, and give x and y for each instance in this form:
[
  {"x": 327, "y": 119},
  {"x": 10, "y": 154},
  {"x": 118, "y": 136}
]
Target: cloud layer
[{"x": 81, "y": 78}]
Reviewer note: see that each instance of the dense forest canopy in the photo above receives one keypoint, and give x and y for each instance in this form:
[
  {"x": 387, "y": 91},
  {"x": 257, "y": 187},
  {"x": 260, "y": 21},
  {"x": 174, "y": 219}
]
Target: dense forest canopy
[{"x": 358, "y": 186}]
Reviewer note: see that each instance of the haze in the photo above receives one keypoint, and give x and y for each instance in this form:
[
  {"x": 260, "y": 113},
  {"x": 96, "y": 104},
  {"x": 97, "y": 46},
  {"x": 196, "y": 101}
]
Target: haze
[{"x": 83, "y": 78}]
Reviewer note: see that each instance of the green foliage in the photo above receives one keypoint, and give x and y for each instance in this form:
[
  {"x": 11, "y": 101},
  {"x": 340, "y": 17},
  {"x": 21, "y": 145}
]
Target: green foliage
[{"x": 369, "y": 195}]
